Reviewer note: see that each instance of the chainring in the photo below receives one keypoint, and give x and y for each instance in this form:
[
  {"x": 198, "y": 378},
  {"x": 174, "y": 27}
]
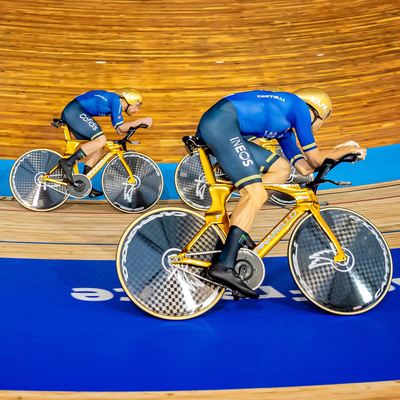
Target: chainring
[
  {"x": 81, "y": 188},
  {"x": 250, "y": 268}
]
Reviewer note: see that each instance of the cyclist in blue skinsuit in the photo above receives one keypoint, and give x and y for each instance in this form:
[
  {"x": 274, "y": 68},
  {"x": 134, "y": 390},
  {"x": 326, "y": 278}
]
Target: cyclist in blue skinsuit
[
  {"x": 98, "y": 103},
  {"x": 271, "y": 115}
]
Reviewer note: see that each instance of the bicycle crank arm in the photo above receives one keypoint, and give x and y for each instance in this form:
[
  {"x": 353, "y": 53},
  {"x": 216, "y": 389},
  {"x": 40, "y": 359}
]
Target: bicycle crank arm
[
  {"x": 184, "y": 260},
  {"x": 61, "y": 183}
]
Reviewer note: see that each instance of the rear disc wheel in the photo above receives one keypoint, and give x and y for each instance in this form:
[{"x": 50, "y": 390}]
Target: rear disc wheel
[
  {"x": 26, "y": 184},
  {"x": 147, "y": 275}
]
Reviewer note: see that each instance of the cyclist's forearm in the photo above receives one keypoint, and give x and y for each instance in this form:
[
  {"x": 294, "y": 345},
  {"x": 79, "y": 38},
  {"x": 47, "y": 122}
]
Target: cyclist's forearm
[
  {"x": 316, "y": 157},
  {"x": 122, "y": 129},
  {"x": 338, "y": 152}
]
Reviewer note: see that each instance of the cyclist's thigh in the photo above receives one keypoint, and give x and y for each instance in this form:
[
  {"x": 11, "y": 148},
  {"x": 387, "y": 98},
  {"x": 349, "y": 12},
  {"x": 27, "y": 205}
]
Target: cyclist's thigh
[
  {"x": 220, "y": 130},
  {"x": 263, "y": 157},
  {"x": 82, "y": 125}
]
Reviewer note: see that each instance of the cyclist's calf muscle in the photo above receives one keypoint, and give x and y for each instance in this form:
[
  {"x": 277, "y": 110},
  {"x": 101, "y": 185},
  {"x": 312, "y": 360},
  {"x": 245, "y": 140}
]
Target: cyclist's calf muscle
[
  {"x": 253, "y": 197},
  {"x": 94, "y": 145}
]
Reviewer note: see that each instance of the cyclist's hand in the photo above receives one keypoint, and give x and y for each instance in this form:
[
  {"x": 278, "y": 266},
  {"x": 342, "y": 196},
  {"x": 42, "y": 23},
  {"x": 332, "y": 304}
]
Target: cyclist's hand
[
  {"x": 147, "y": 121},
  {"x": 350, "y": 143},
  {"x": 361, "y": 153}
]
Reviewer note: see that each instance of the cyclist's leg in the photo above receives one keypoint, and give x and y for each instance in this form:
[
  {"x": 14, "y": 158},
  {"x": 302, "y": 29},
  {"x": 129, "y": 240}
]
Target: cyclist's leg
[
  {"x": 83, "y": 127},
  {"x": 94, "y": 151},
  {"x": 94, "y": 192},
  {"x": 274, "y": 168},
  {"x": 220, "y": 130}
]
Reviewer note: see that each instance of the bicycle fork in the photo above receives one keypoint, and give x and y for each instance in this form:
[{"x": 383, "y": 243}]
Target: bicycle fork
[{"x": 131, "y": 179}]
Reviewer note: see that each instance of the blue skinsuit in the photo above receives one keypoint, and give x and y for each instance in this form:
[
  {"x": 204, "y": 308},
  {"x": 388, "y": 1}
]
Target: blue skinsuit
[
  {"x": 97, "y": 103},
  {"x": 273, "y": 115}
]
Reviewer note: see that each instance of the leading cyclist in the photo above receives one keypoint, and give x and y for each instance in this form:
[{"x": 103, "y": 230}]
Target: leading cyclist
[
  {"x": 98, "y": 103},
  {"x": 270, "y": 115}
]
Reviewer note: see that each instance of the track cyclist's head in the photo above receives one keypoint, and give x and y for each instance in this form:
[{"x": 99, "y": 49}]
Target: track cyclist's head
[
  {"x": 319, "y": 104},
  {"x": 131, "y": 99}
]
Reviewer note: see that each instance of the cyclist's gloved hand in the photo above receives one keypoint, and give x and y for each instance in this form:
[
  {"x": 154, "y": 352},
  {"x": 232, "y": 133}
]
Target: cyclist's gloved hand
[
  {"x": 361, "y": 154},
  {"x": 146, "y": 121}
]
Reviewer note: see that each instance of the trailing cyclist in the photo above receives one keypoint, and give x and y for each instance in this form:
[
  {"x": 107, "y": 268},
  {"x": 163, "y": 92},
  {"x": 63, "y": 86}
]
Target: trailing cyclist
[
  {"x": 264, "y": 114},
  {"x": 98, "y": 103}
]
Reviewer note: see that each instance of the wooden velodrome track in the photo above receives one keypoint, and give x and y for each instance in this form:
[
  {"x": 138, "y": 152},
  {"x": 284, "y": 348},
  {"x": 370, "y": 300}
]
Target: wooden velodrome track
[
  {"x": 104, "y": 225},
  {"x": 184, "y": 55}
]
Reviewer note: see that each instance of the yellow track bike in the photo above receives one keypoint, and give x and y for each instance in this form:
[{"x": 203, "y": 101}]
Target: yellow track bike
[
  {"x": 131, "y": 181},
  {"x": 338, "y": 259},
  {"x": 192, "y": 187}
]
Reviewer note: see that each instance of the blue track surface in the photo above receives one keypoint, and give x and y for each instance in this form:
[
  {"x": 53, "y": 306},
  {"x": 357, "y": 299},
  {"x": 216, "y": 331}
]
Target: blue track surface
[{"x": 53, "y": 338}]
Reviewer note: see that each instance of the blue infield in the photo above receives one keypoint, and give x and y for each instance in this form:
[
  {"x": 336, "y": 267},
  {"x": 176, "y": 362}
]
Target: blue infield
[{"x": 67, "y": 326}]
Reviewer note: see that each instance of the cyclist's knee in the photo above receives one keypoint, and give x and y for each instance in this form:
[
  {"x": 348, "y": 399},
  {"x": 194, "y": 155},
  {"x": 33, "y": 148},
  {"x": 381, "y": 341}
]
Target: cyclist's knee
[
  {"x": 281, "y": 167},
  {"x": 255, "y": 194},
  {"x": 100, "y": 141}
]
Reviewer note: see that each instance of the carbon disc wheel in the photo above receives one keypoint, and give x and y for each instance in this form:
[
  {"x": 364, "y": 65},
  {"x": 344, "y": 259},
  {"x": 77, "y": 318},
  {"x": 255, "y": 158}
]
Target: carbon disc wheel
[
  {"x": 132, "y": 197},
  {"x": 29, "y": 190},
  {"x": 191, "y": 183},
  {"x": 351, "y": 287},
  {"x": 148, "y": 277}
]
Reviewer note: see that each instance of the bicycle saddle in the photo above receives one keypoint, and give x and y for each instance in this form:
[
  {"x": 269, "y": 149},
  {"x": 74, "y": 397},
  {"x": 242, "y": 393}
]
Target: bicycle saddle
[
  {"x": 193, "y": 142},
  {"x": 58, "y": 122}
]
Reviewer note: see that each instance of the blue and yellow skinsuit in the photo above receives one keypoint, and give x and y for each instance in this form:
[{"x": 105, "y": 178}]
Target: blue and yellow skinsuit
[
  {"x": 261, "y": 114},
  {"x": 97, "y": 103}
]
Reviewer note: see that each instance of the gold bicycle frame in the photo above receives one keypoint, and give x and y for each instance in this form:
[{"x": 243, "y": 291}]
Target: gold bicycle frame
[
  {"x": 306, "y": 202},
  {"x": 113, "y": 150}
]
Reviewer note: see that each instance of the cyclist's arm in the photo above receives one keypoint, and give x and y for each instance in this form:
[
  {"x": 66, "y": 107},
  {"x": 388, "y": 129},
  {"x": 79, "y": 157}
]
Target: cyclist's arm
[
  {"x": 316, "y": 157},
  {"x": 122, "y": 129}
]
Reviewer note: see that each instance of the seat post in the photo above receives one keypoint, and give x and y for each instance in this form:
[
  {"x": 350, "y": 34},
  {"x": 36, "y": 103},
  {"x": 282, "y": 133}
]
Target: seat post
[{"x": 71, "y": 144}]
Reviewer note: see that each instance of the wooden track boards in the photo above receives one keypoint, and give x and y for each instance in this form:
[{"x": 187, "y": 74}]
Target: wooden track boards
[
  {"x": 364, "y": 391},
  {"x": 185, "y": 55},
  {"x": 90, "y": 230}
]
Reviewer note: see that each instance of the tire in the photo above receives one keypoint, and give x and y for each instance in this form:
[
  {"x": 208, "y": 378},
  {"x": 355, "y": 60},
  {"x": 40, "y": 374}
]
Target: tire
[
  {"x": 146, "y": 277},
  {"x": 26, "y": 187},
  {"x": 137, "y": 197},
  {"x": 191, "y": 184},
  {"x": 348, "y": 288},
  {"x": 284, "y": 199}
]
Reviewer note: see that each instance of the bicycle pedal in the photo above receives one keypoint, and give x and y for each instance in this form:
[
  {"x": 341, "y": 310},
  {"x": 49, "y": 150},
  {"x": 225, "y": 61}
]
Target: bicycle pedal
[
  {"x": 324, "y": 203},
  {"x": 237, "y": 296}
]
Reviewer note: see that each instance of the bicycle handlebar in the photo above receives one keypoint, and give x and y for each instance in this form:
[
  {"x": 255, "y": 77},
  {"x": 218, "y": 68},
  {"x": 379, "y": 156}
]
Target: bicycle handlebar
[
  {"x": 128, "y": 135},
  {"x": 327, "y": 166}
]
